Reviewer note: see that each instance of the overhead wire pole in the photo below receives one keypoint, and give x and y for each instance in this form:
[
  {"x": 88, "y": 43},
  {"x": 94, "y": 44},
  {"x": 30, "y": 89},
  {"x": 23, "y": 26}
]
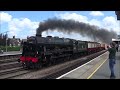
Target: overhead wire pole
[{"x": 6, "y": 40}]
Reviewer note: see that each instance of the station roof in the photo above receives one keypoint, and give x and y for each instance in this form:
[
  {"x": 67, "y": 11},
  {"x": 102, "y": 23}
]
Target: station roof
[
  {"x": 115, "y": 39},
  {"x": 118, "y": 14}
]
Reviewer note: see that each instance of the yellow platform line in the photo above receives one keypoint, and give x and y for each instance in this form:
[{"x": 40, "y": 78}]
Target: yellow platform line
[{"x": 96, "y": 70}]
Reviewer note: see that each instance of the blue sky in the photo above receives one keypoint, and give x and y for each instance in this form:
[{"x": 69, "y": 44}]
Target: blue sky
[{"x": 24, "y": 23}]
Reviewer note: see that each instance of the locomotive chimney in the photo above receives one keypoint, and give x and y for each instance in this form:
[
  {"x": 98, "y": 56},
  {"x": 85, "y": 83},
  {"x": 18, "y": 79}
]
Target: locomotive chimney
[{"x": 39, "y": 35}]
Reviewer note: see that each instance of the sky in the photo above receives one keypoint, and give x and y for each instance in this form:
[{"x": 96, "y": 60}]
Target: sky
[{"x": 24, "y": 23}]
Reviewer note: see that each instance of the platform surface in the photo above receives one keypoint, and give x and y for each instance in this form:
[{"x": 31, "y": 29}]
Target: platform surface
[
  {"x": 104, "y": 72},
  {"x": 97, "y": 68}
]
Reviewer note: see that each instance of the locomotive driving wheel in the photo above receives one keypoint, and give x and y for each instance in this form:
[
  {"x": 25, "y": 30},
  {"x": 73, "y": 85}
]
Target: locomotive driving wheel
[
  {"x": 24, "y": 65},
  {"x": 38, "y": 65}
]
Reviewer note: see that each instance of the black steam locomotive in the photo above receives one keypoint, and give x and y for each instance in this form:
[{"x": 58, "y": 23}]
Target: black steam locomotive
[{"x": 39, "y": 51}]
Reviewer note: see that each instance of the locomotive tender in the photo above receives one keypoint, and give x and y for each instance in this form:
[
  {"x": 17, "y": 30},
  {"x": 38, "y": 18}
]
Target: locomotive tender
[{"x": 39, "y": 51}]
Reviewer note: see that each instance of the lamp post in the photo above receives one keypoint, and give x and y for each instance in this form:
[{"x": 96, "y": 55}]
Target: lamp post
[
  {"x": 6, "y": 40},
  {"x": 6, "y": 44}
]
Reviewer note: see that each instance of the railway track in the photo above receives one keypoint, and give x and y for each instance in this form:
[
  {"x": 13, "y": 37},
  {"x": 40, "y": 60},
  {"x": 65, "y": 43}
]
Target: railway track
[
  {"x": 9, "y": 65},
  {"x": 7, "y": 57},
  {"x": 11, "y": 68},
  {"x": 6, "y": 74},
  {"x": 76, "y": 64},
  {"x": 55, "y": 71}
]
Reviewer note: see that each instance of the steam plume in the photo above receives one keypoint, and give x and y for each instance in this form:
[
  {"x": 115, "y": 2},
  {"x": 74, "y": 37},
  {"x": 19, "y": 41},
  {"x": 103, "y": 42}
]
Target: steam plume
[{"x": 69, "y": 26}]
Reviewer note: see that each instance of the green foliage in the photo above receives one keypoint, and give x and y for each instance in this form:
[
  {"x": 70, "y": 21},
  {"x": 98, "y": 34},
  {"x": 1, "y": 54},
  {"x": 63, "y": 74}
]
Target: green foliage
[{"x": 16, "y": 48}]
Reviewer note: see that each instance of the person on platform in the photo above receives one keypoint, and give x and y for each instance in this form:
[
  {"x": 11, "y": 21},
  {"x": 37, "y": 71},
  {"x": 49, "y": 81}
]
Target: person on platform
[
  {"x": 117, "y": 46},
  {"x": 112, "y": 59}
]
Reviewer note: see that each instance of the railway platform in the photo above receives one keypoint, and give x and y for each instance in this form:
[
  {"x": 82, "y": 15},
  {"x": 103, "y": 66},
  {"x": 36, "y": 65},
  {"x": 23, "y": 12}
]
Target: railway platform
[
  {"x": 98, "y": 68},
  {"x": 11, "y": 53}
]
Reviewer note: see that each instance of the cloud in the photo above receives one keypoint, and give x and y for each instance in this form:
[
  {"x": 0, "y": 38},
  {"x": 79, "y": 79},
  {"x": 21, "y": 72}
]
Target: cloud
[
  {"x": 111, "y": 23},
  {"x": 95, "y": 22},
  {"x": 18, "y": 26},
  {"x": 73, "y": 16},
  {"x": 5, "y": 17},
  {"x": 22, "y": 25},
  {"x": 108, "y": 22},
  {"x": 96, "y": 13},
  {"x": 80, "y": 18}
]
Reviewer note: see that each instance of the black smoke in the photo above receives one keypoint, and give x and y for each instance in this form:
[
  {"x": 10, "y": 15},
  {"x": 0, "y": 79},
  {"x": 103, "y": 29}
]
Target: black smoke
[{"x": 69, "y": 26}]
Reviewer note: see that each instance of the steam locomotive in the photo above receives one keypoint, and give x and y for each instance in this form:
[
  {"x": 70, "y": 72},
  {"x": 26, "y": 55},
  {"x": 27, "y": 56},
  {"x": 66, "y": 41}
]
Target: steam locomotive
[{"x": 38, "y": 51}]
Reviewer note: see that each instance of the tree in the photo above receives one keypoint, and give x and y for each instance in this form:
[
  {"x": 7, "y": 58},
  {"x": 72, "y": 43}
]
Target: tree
[
  {"x": 3, "y": 39},
  {"x": 0, "y": 39}
]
